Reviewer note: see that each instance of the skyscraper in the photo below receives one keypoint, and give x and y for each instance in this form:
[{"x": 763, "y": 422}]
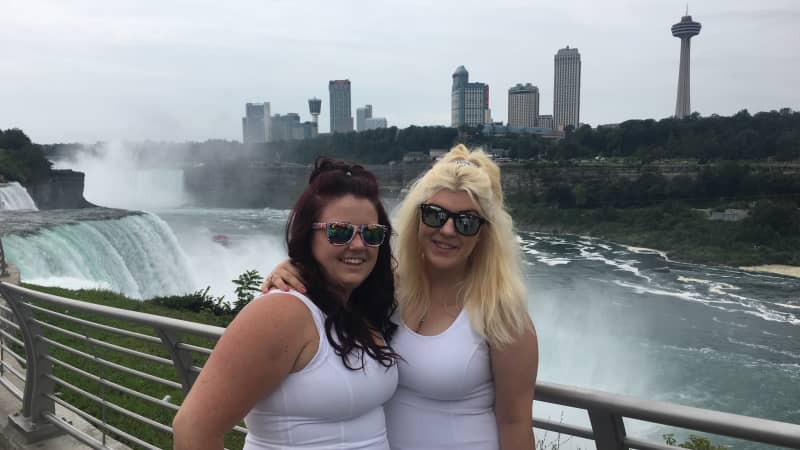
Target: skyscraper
[
  {"x": 256, "y": 123},
  {"x": 469, "y": 102},
  {"x": 545, "y": 121},
  {"x": 373, "y": 123},
  {"x": 685, "y": 30},
  {"x": 362, "y": 114},
  {"x": 567, "y": 89},
  {"x": 523, "y": 106},
  {"x": 286, "y": 127},
  {"x": 341, "y": 116}
]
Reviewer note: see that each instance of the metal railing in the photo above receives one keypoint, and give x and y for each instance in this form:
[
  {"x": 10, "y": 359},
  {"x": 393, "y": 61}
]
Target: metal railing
[
  {"x": 89, "y": 360},
  {"x": 117, "y": 369},
  {"x": 3, "y": 264}
]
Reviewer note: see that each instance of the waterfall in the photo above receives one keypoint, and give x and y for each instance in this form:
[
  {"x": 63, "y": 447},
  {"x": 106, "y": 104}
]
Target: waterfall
[
  {"x": 136, "y": 255},
  {"x": 14, "y": 196}
]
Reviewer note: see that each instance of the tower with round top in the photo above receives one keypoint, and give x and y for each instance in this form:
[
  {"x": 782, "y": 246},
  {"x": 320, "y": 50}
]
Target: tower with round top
[
  {"x": 685, "y": 30},
  {"x": 314, "y": 107}
]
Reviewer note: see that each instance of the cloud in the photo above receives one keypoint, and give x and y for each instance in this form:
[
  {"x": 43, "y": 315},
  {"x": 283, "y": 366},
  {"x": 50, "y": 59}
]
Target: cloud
[{"x": 88, "y": 69}]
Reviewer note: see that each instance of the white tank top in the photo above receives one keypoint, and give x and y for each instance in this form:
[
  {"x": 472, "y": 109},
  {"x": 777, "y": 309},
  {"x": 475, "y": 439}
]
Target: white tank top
[
  {"x": 445, "y": 398},
  {"x": 325, "y": 405}
]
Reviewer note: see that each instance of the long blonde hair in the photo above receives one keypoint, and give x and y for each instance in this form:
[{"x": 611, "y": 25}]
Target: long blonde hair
[{"x": 493, "y": 291}]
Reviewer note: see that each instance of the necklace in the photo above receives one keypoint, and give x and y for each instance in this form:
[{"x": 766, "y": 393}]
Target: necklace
[
  {"x": 421, "y": 322},
  {"x": 447, "y": 312}
]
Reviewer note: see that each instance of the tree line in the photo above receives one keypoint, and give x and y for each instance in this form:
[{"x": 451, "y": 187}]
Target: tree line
[
  {"x": 764, "y": 135},
  {"x": 378, "y": 146},
  {"x": 714, "y": 184},
  {"x": 773, "y": 134},
  {"x": 20, "y": 159}
]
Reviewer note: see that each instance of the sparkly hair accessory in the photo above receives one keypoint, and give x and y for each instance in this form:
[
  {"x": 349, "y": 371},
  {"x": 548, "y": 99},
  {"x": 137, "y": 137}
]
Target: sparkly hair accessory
[
  {"x": 464, "y": 162},
  {"x": 348, "y": 173}
]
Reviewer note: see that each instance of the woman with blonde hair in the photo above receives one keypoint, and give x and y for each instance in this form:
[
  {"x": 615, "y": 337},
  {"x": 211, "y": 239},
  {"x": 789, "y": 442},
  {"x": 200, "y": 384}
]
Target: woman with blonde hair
[{"x": 469, "y": 353}]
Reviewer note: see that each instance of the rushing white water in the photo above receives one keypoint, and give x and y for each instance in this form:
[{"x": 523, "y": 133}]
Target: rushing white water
[
  {"x": 14, "y": 196},
  {"x": 253, "y": 240},
  {"x": 137, "y": 255}
]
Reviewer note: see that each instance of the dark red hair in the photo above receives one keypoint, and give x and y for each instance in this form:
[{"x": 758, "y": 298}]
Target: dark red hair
[{"x": 372, "y": 303}]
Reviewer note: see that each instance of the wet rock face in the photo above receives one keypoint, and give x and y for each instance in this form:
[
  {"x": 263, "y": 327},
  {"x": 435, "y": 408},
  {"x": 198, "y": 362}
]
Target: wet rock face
[{"x": 64, "y": 190}]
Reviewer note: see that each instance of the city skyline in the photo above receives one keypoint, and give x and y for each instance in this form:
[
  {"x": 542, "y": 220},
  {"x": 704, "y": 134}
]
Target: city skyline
[{"x": 130, "y": 70}]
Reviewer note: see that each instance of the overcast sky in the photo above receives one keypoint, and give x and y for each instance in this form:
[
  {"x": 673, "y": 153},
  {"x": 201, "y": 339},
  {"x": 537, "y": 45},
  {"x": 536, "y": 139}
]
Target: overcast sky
[{"x": 82, "y": 71}]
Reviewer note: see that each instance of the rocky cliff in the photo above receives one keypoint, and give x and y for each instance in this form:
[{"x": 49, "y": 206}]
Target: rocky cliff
[
  {"x": 63, "y": 190},
  {"x": 278, "y": 186}
]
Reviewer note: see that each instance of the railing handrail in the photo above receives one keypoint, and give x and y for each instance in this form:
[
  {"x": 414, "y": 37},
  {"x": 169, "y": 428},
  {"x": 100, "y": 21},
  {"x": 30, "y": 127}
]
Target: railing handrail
[
  {"x": 665, "y": 413},
  {"x": 153, "y": 320},
  {"x": 606, "y": 410}
]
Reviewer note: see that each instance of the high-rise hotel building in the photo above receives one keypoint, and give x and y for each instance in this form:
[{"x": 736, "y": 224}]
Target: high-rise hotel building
[
  {"x": 567, "y": 90},
  {"x": 523, "y": 106},
  {"x": 469, "y": 102},
  {"x": 256, "y": 123},
  {"x": 362, "y": 114},
  {"x": 545, "y": 121},
  {"x": 341, "y": 116}
]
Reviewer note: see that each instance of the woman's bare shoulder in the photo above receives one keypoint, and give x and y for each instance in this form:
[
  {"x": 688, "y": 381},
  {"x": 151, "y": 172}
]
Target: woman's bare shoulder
[{"x": 278, "y": 305}]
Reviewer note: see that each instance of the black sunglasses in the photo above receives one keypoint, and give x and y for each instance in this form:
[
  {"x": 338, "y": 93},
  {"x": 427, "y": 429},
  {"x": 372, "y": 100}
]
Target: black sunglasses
[
  {"x": 342, "y": 233},
  {"x": 465, "y": 224}
]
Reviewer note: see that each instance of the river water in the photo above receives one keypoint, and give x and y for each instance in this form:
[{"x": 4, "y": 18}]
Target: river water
[{"x": 610, "y": 317}]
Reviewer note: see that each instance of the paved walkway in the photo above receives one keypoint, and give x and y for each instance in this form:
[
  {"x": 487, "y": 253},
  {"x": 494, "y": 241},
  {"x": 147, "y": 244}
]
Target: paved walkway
[{"x": 11, "y": 440}]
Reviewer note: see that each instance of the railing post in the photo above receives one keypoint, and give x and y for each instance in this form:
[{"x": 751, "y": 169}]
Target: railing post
[
  {"x": 30, "y": 423},
  {"x": 3, "y": 265},
  {"x": 609, "y": 430},
  {"x": 182, "y": 359}
]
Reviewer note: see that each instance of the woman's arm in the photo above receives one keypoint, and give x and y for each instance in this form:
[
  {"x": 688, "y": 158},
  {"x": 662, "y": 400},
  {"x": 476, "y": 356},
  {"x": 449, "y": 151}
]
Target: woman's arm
[
  {"x": 257, "y": 352},
  {"x": 514, "y": 368},
  {"x": 284, "y": 276}
]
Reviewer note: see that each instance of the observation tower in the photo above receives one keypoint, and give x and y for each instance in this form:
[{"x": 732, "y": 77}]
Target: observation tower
[
  {"x": 314, "y": 107},
  {"x": 685, "y": 30}
]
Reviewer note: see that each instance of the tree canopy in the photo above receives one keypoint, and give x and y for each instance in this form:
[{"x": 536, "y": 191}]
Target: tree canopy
[
  {"x": 20, "y": 159},
  {"x": 774, "y": 134}
]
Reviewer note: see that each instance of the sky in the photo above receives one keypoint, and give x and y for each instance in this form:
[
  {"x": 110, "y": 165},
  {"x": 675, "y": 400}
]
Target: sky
[{"x": 182, "y": 70}]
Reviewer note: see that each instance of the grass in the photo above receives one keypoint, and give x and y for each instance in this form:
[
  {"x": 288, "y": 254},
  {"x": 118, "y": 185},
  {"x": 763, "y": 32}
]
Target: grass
[{"x": 144, "y": 408}]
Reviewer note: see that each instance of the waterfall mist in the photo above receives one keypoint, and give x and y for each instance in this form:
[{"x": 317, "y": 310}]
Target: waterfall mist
[{"x": 119, "y": 176}]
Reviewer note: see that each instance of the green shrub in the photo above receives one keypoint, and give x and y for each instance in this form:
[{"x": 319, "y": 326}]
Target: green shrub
[
  {"x": 248, "y": 285},
  {"x": 694, "y": 442}
]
